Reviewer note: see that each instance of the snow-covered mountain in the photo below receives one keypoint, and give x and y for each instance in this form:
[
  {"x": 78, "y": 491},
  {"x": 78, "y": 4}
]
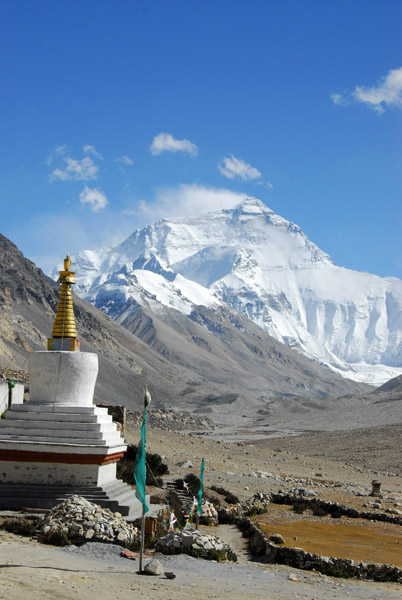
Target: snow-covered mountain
[{"x": 264, "y": 267}]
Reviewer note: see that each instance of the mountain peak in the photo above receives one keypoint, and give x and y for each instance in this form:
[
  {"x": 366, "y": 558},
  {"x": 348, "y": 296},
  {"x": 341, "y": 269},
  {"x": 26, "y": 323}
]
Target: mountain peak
[
  {"x": 266, "y": 268},
  {"x": 252, "y": 205}
]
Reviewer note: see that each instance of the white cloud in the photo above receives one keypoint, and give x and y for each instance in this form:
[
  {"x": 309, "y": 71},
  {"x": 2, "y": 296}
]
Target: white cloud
[
  {"x": 91, "y": 150},
  {"x": 76, "y": 170},
  {"x": 339, "y": 100},
  {"x": 50, "y": 242},
  {"x": 165, "y": 142},
  {"x": 95, "y": 198},
  {"x": 126, "y": 160},
  {"x": 387, "y": 93},
  {"x": 189, "y": 201},
  {"x": 58, "y": 151},
  {"x": 62, "y": 149},
  {"x": 232, "y": 167}
]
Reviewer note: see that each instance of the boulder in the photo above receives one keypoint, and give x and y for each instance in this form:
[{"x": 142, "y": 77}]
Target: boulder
[{"x": 153, "y": 568}]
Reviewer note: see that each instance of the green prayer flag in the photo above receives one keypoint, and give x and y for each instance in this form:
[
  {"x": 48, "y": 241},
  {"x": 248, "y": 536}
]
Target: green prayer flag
[
  {"x": 200, "y": 490},
  {"x": 139, "y": 465}
]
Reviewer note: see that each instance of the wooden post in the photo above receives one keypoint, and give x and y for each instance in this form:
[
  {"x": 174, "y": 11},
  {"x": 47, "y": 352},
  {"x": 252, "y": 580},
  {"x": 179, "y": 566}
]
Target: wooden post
[
  {"x": 124, "y": 421},
  {"x": 142, "y": 537}
]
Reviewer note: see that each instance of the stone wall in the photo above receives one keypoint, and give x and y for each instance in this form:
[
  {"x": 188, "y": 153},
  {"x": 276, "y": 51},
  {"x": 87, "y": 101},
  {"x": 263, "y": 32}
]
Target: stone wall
[
  {"x": 333, "y": 508},
  {"x": 267, "y": 551}
]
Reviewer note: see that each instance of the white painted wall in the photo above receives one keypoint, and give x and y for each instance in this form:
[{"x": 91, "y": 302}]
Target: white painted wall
[
  {"x": 62, "y": 378},
  {"x": 56, "y": 473},
  {"x": 17, "y": 394}
]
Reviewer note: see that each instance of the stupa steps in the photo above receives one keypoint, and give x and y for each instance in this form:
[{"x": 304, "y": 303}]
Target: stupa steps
[
  {"x": 56, "y": 417},
  {"x": 51, "y": 428},
  {"x": 124, "y": 491},
  {"x": 57, "y": 439},
  {"x": 22, "y": 425},
  {"x": 59, "y": 408},
  {"x": 119, "y": 487},
  {"x": 117, "y": 496}
]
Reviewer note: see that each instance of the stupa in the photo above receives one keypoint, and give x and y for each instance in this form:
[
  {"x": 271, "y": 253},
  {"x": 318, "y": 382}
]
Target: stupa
[{"x": 58, "y": 443}]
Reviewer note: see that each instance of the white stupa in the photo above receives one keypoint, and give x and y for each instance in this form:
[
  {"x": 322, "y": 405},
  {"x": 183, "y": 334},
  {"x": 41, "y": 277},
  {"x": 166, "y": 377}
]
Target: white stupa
[{"x": 59, "y": 443}]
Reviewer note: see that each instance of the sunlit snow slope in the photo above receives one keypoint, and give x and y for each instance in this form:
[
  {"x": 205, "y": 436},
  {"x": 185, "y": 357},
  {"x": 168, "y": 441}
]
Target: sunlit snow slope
[{"x": 264, "y": 267}]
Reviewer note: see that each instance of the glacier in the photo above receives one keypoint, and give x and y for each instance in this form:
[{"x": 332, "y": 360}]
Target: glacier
[{"x": 267, "y": 269}]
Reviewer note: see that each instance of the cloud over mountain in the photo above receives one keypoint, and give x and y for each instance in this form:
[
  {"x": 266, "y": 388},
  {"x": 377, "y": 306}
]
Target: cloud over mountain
[{"x": 232, "y": 167}]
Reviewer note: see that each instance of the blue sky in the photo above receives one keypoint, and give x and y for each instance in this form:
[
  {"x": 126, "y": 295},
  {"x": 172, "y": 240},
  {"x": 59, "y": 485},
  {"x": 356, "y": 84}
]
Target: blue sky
[{"x": 115, "y": 114}]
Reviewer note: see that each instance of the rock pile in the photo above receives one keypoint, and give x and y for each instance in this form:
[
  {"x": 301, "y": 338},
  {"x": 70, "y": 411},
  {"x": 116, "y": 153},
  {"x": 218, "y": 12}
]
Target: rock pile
[
  {"x": 194, "y": 543},
  {"x": 208, "y": 511},
  {"x": 172, "y": 420},
  {"x": 258, "y": 503},
  {"x": 83, "y": 521}
]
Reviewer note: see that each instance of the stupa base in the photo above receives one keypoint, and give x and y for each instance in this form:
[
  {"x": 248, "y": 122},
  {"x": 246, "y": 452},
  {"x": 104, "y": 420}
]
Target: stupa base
[{"x": 117, "y": 496}]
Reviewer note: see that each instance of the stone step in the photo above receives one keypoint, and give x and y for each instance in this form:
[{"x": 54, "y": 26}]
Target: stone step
[
  {"x": 59, "y": 408},
  {"x": 22, "y": 424},
  {"x": 123, "y": 493},
  {"x": 63, "y": 433},
  {"x": 12, "y": 415},
  {"x": 181, "y": 494},
  {"x": 50, "y": 491},
  {"x": 59, "y": 440},
  {"x": 18, "y": 496}
]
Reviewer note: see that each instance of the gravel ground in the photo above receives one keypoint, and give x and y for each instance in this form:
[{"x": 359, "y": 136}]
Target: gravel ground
[{"x": 30, "y": 570}]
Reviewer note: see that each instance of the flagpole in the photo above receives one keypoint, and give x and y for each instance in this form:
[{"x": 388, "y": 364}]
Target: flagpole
[
  {"x": 140, "y": 474},
  {"x": 142, "y": 537},
  {"x": 200, "y": 492}
]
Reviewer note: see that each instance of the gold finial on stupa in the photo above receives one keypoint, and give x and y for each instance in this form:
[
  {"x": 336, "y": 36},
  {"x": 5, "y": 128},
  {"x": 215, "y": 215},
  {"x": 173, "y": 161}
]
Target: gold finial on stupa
[
  {"x": 64, "y": 334},
  {"x": 67, "y": 263}
]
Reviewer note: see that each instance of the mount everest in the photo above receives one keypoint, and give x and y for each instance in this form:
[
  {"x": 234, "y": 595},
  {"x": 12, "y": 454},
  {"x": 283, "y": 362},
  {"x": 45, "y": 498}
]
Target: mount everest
[{"x": 264, "y": 267}]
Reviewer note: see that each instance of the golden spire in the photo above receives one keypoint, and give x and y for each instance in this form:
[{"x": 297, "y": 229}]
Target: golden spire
[{"x": 64, "y": 334}]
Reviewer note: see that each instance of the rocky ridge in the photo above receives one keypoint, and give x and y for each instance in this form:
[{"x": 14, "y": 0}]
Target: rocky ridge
[{"x": 184, "y": 363}]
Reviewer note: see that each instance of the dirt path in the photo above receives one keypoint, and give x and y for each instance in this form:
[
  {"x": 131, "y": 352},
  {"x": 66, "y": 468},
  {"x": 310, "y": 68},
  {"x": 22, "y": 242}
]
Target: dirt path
[{"x": 231, "y": 536}]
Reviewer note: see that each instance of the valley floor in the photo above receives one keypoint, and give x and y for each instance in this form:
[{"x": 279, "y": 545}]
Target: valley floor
[{"x": 336, "y": 465}]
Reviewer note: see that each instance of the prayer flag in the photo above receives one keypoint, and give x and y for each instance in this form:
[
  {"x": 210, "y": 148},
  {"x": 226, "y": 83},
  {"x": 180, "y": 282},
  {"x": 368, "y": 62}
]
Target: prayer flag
[
  {"x": 139, "y": 465},
  {"x": 200, "y": 490}
]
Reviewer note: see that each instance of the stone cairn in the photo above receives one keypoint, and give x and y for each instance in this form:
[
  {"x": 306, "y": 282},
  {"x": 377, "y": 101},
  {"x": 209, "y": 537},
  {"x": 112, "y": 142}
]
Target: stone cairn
[
  {"x": 189, "y": 542},
  {"x": 208, "y": 511},
  {"x": 257, "y": 504},
  {"x": 82, "y": 521}
]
